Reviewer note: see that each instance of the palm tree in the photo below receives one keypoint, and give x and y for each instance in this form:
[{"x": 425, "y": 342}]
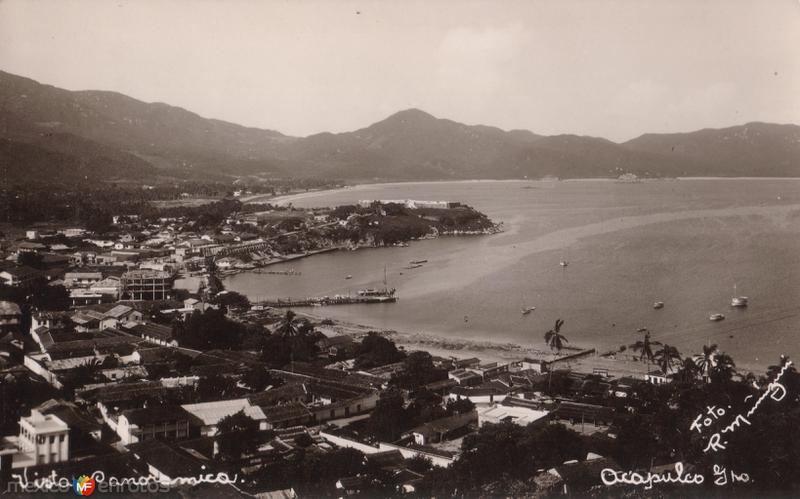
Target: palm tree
[
  {"x": 723, "y": 368},
  {"x": 774, "y": 371},
  {"x": 706, "y": 361},
  {"x": 86, "y": 372},
  {"x": 555, "y": 340},
  {"x": 667, "y": 356},
  {"x": 645, "y": 348},
  {"x": 688, "y": 371},
  {"x": 287, "y": 328}
]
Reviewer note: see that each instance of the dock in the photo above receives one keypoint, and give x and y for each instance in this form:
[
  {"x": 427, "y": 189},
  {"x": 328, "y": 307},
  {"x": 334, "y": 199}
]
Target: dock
[{"x": 323, "y": 301}]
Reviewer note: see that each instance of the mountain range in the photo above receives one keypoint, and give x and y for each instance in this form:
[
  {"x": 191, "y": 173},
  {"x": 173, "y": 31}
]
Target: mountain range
[{"x": 61, "y": 135}]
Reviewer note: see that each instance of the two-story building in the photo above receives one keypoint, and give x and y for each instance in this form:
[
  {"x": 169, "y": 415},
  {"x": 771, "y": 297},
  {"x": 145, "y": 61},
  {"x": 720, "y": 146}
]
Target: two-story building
[
  {"x": 43, "y": 439},
  {"x": 153, "y": 423}
]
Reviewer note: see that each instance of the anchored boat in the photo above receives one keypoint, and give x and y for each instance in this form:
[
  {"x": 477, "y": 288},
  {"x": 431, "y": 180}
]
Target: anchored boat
[{"x": 738, "y": 301}]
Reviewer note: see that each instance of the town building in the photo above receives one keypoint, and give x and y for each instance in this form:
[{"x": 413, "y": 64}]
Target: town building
[
  {"x": 81, "y": 279},
  {"x": 444, "y": 428},
  {"x": 211, "y": 413},
  {"x": 10, "y": 316},
  {"x": 153, "y": 423},
  {"x": 517, "y": 414},
  {"x": 147, "y": 284},
  {"x": 108, "y": 288},
  {"x": 153, "y": 333},
  {"x": 20, "y": 276},
  {"x": 43, "y": 439}
]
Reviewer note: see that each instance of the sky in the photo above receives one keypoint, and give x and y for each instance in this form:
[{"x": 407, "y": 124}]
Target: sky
[{"x": 614, "y": 69}]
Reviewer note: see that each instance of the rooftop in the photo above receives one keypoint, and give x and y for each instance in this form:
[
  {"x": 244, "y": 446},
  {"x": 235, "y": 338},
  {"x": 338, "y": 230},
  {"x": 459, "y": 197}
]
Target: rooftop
[
  {"x": 118, "y": 311},
  {"x": 518, "y": 415},
  {"x": 210, "y": 413},
  {"x": 285, "y": 393},
  {"x": 9, "y": 308},
  {"x": 285, "y": 412},
  {"x": 155, "y": 414},
  {"x": 45, "y": 423},
  {"x": 146, "y": 274},
  {"x": 167, "y": 460},
  {"x": 152, "y": 330}
]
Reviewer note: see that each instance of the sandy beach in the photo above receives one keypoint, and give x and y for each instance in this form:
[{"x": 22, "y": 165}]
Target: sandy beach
[
  {"x": 442, "y": 346},
  {"x": 487, "y": 351}
]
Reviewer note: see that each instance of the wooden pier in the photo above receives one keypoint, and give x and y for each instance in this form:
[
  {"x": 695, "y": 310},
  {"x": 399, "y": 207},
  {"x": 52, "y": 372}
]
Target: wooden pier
[{"x": 323, "y": 301}]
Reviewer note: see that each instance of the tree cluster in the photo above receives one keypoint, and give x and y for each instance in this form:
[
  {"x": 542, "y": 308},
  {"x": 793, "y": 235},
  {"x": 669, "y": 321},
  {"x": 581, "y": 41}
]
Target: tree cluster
[
  {"x": 501, "y": 459},
  {"x": 376, "y": 351}
]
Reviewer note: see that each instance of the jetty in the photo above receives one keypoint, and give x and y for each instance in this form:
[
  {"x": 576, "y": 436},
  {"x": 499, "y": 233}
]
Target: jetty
[
  {"x": 277, "y": 272},
  {"x": 322, "y": 301}
]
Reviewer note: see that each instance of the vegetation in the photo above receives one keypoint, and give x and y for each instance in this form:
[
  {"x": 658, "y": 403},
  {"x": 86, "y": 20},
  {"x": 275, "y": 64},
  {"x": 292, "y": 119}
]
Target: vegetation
[
  {"x": 211, "y": 330},
  {"x": 418, "y": 370},
  {"x": 238, "y": 436},
  {"x": 645, "y": 348},
  {"x": 555, "y": 340},
  {"x": 389, "y": 419},
  {"x": 666, "y": 357},
  {"x": 216, "y": 387},
  {"x": 501, "y": 460},
  {"x": 375, "y": 351},
  {"x": 39, "y": 296},
  {"x": 232, "y": 299},
  {"x": 291, "y": 341}
]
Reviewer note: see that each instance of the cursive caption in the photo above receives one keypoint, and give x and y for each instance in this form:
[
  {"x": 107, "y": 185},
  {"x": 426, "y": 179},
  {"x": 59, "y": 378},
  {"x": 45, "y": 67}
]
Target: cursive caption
[
  {"x": 721, "y": 477},
  {"x": 711, "y": 417},
  {"x": 55, "y": 483},
  {"x": 775, "y": 390}
]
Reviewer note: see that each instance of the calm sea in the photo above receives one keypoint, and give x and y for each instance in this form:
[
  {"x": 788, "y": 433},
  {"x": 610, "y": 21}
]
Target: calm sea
[{"x": 684, "y": 242}]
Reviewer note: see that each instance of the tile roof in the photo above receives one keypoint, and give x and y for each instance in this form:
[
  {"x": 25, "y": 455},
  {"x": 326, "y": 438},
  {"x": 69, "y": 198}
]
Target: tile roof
[
  {"x": 275, "y": 396},
  {"x": 118, "y": 345},
  {"x": 210, "y": 413},
  {"x": 118, "y": 311},
  {"x": 156, "y": 414},
  {"x": 167, "y": 460},
  {"x": 286, "y": 412},
  {"x": 152, "y": 330}
]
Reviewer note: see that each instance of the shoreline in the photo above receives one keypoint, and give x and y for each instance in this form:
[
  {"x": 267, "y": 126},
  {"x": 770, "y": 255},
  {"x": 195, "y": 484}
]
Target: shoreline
[
  {"x": 613, "y": 362},
  {"x": 287, "y": 198},
  {"x": 439, "y": 344}
]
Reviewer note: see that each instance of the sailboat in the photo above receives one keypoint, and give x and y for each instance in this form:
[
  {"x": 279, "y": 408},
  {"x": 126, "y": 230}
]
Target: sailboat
[
  {"x": 387, "y": 294},
  {"x": 738, "y": 301}
]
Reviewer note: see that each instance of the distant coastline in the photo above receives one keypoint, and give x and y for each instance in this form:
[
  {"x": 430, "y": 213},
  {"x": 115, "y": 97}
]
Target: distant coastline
[{"x": 289, "y": 198}]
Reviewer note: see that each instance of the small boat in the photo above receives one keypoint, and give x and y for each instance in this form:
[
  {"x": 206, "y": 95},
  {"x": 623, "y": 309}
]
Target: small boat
[
  {"x": 527, "y": 310},
  {"x": 415, "y": 266},
  {"x": 739, "y": 301},
  {"x": 348, "y": 276},
  {"x": 716, "y": 317},
  {"x": 563, "y": 263},
  {"x": 657, "y": 305},
  {"x": 418, "y": 262}
]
